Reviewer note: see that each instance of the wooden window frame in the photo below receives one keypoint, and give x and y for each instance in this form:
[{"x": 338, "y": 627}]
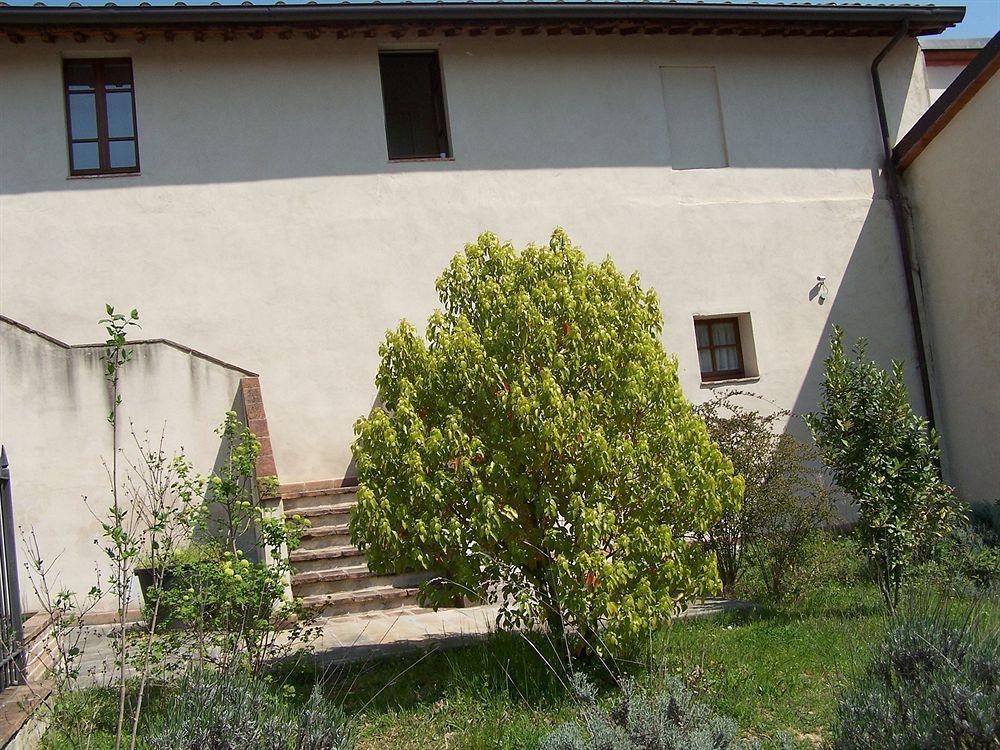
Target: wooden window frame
[
  {"x": 440, "y": 107},
  {"x": 103, "y": 140},
  {"x": 715, "y": 374}
]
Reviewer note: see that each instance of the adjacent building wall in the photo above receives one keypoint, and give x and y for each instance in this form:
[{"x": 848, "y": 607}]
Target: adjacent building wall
[
  {"x": 268, "y": 227},
  {"x": 54, "y": 406},
  {"x": 953, "y": 187}
]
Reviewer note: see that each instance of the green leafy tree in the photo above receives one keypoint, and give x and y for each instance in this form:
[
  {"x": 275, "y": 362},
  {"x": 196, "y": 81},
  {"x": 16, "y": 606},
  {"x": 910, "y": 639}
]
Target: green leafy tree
[
  {"x": 885, "y": 457},
  {"x": 537, "y": 449}
]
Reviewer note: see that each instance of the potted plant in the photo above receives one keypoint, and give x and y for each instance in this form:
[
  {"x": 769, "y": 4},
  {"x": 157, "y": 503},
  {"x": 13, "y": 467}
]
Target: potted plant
[{"x": 165, "y": 575}]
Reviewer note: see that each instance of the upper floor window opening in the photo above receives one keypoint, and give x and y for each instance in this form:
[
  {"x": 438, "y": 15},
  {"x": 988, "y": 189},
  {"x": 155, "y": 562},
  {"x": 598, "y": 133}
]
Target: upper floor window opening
[
  {"x": 416, "y": 125},
  {"x": 100, "y": 116}
]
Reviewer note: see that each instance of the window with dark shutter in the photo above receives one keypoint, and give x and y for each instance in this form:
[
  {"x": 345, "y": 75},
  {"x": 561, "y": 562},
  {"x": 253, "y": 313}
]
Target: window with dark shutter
[
  {"x": 100, "y": 116},
  {"x": 415, "y": 123}
]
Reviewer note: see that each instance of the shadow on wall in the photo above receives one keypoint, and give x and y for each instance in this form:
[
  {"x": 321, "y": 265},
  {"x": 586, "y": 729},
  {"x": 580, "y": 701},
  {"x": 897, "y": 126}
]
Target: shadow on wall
[
  {"x": 557, "y": 103},
  {"x": 868, "y": 301},
  {"x": 248, "y": 541}
]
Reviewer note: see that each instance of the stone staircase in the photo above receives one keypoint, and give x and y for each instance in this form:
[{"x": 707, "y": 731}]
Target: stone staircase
[{"x": 328, "y": 572}]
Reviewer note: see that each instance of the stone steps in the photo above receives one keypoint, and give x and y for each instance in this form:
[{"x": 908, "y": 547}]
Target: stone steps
[
  {"x": 325, "y": 537},
  {"x": 324, "y": 516},
  {"x": 359, "y": 601},
  {"x": 328, "y": 572}
]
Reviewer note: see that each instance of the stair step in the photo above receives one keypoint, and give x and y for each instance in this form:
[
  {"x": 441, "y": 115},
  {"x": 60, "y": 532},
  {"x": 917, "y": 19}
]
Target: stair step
[
  {"x": 320, "y": 561},
  {"x": 347, "y": 573},
  {"x": 326, "y": 537},
  {"x": 343, "y": 580},
  {"x": 308, "y": 501},
  {"x": 323, "y": 516},
  {"x": 292, "y": 493},
  {"x": 338, "y": 509},
  {"x": 350, "y": 578},
  {"x": 308, "y": 555},
  {"x": 361, "y": 600}
]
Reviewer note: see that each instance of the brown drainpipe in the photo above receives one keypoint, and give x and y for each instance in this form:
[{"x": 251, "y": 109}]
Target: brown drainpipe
[{"x": 902, "y": 230}]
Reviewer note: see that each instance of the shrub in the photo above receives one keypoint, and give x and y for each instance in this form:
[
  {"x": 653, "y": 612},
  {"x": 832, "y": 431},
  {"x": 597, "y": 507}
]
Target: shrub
[
  {"x": 225, "y": 604},
  {"x": 784, "y": 504},
  {"x": 824, "y": 579},
  {"x": 885, "y": 457},
  {"x": 933, "y": 682},
  {"x": 666, "y": 720},
  {"x": 963, "y": 563},
  {"x": 984, "y": 517},
  {"x": 537, "y": 447},
  {"x": 232, "y": 711}
]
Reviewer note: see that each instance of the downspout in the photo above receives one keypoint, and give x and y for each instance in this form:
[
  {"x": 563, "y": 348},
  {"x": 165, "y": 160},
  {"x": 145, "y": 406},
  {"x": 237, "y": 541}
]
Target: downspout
[{"x": 902, "y": 230}]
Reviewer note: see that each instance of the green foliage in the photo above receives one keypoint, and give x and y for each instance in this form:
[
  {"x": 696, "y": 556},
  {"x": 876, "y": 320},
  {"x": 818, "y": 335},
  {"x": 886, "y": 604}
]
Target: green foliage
[
  {"x": 829, "y": 564},
  {"x": 885, "y": 457},
  {"x": 933, "y": 682},
  {"x": 537, "y": 447},
  {"x": 784, "y": 503},
  {"x": 984, "y": 518},
  {"x": 231, "y": 711},
  {"x": 116, "y": 352},
  {"x": 963, "y": 563},
  {"x": 224, "y": 606},
  {"x": 669, "y": 719}
]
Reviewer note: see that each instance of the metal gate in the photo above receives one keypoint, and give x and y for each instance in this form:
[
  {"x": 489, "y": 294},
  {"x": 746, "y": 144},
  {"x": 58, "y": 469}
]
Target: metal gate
[{"x": 12, "y": 657}]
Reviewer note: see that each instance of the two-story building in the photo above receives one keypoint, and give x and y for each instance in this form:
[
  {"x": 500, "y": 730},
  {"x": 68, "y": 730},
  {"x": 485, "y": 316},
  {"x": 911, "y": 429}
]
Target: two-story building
[{"x": 275, "y": 186}]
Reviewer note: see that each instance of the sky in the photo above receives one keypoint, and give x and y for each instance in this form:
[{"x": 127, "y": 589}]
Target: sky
[{"x": 982, "y": 18}]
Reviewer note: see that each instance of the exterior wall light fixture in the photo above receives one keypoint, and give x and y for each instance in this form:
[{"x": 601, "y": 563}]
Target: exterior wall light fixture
[{"x": 823, "y": 292}]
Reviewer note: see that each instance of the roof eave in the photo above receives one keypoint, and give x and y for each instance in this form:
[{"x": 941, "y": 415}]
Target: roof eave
[
  {"x": 975, "y": 75},
  {"x": 921, "y": 19}
]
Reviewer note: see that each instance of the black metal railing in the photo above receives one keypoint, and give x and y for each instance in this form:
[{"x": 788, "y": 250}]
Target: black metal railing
[{"x": 12, "y": 656}]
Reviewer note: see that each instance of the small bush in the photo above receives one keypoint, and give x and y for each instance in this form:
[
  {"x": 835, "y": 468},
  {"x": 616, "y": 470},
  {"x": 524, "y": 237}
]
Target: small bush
[
  {"x": 784, "y": 504},
  {"x": 210, "y": 711},
  {"x": 669, "y": 719},
  {"x": 933, "y": 682},
  {"x": 964, "y": 564},
  {"x": 984, "y": 517},
  {"x": 829, "y": 564}
]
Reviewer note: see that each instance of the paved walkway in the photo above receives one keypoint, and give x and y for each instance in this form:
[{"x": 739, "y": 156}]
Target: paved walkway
[
  {"x": 353, "y": 638},
  {"x": 362, "y": 637}
]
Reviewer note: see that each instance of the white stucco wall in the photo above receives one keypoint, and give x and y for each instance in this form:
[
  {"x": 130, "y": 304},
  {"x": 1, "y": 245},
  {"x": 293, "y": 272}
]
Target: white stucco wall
[
  {"x": 954, "y": 190},
  {"x": 54, "y": 404},
  {"x": 939, "y": 77},
  {"x": 269, "y": 229}
]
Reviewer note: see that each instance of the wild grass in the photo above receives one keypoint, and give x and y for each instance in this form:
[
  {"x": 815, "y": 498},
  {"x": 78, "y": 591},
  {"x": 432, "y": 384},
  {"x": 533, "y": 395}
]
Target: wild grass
[{"x": 773, "y": 670}]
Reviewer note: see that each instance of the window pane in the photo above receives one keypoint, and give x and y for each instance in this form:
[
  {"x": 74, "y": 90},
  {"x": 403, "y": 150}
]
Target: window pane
[
  {"x": 705, "y": 360},
  {"x": 83, "y": 115},
  {"x": 85, "y": 156},
  {"x": 727, "y": 358},
  {"x": 117, "y": 74},
  {"x": 79, "y": 76},
  {"x": 723, "y": 333},
  {"x": 119, "y": 114},
  {"x": 701, "y": 333},
  {"x": 414, "y": 105},
  {"x": 122, "y": 154}
]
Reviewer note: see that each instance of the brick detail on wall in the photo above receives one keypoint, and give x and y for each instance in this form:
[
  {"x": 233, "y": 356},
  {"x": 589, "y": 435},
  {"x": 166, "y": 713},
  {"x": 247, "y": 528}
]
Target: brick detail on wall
[{"x": 253, "y": 405}]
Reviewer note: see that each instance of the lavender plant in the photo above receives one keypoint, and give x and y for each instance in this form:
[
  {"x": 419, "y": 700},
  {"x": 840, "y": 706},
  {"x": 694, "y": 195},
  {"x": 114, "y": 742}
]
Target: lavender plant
[{"x": 668, "y": 719}]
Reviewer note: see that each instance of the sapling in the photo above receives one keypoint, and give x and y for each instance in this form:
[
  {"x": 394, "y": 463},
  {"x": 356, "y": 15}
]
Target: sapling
[{"x": 885, "y": 457}]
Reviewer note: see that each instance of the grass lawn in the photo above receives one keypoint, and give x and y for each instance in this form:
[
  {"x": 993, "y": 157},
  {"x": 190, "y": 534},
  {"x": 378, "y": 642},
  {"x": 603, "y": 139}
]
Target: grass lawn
[{"x": 772, "y": 670}]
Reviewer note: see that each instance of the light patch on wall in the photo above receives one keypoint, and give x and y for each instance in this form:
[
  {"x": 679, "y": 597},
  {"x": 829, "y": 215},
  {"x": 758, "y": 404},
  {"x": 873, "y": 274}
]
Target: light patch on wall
[{"x": 694, "y": 118}]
